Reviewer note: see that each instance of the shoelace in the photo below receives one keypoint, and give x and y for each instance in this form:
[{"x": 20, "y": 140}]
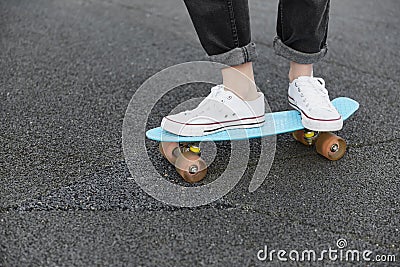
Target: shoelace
[
  {"x": 215, "y": 91},
  {"x": 314, "y": 88}
]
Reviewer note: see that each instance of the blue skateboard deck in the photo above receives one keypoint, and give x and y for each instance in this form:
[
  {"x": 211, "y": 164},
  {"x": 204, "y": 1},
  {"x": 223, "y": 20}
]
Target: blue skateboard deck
[{"x": 275, "y": 123}]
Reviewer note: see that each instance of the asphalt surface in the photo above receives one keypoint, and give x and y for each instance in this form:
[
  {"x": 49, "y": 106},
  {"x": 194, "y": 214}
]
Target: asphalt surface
[{"x": 68, "y": 72}]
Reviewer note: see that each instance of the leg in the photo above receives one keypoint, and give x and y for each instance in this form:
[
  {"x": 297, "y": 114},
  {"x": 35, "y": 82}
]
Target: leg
[
  {"x": 296, "y": 70},
  {"x": 223, "y": 27},
  {"x": 301, "y": 38},
  {"x": 302, "y": 28},
  {"x": 240, "y": 80}
]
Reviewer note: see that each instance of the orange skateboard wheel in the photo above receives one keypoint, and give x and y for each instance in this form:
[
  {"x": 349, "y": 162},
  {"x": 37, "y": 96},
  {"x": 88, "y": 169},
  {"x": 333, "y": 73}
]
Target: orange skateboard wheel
[
  {"x": 191, "y": 167},
  {"x": 330, "y": 146},
  {"x": 169, "y": 150}
]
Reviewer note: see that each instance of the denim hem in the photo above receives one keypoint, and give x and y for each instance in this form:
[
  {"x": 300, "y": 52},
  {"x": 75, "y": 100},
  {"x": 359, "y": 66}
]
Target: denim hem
[
  {"x": 299, "y": 57},
  {"x": 236, "y": 56}
]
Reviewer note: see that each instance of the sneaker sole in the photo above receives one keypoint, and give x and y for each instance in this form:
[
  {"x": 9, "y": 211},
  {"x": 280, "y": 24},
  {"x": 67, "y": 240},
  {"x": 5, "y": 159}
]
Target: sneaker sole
[
  {"x": 206, "y": 129},
  {"x": 318, "y": 124}
]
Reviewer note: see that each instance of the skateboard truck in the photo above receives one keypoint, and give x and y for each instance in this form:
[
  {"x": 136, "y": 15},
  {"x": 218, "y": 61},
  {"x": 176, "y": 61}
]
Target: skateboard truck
[
  {"x": 310, "y": 136},
  {"x": 306, "y": 136},
  {"x": 195, "y": 148}
]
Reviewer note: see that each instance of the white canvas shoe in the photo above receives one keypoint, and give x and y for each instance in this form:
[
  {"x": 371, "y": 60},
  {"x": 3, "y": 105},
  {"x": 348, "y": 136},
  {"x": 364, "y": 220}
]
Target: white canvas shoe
[
  {"x": 220, "y": 110},
  {"x": 309, "y": 96}
]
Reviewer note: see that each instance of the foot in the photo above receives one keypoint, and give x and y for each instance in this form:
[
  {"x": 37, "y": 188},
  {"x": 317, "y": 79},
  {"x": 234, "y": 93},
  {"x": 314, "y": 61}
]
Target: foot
[
  {"x": 309, "y": 96},
  {"x": 219, "y": 111}
]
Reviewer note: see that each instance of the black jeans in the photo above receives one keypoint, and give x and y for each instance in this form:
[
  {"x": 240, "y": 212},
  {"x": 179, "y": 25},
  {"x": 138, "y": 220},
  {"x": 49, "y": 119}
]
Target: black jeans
[{"x": 223, "y": 27}]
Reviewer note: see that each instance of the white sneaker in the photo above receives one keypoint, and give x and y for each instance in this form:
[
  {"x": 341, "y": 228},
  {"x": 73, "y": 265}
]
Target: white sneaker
[
  {"x": 220, "y": 110},
  {"x": 309, "y": 96}
]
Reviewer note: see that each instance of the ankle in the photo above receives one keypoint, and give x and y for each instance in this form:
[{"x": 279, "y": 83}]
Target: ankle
[
  {"x": 296, "y": 70},
  {"x": 240, "y": 80},
  {"x": 246, "y": 90}
]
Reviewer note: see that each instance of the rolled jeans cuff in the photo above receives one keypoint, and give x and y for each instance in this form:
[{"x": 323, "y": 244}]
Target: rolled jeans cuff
[
  {"x": 299, "y": 57},
  {"x": 236, "y": 56}
]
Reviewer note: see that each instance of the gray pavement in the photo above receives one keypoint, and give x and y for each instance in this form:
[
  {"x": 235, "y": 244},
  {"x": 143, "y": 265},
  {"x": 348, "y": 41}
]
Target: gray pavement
[{"x": 68, "y": 72}]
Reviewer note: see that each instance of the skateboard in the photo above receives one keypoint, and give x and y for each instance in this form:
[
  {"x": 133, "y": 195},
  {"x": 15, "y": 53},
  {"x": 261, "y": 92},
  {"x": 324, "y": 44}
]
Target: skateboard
[{"x": 184, "y": 151}]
